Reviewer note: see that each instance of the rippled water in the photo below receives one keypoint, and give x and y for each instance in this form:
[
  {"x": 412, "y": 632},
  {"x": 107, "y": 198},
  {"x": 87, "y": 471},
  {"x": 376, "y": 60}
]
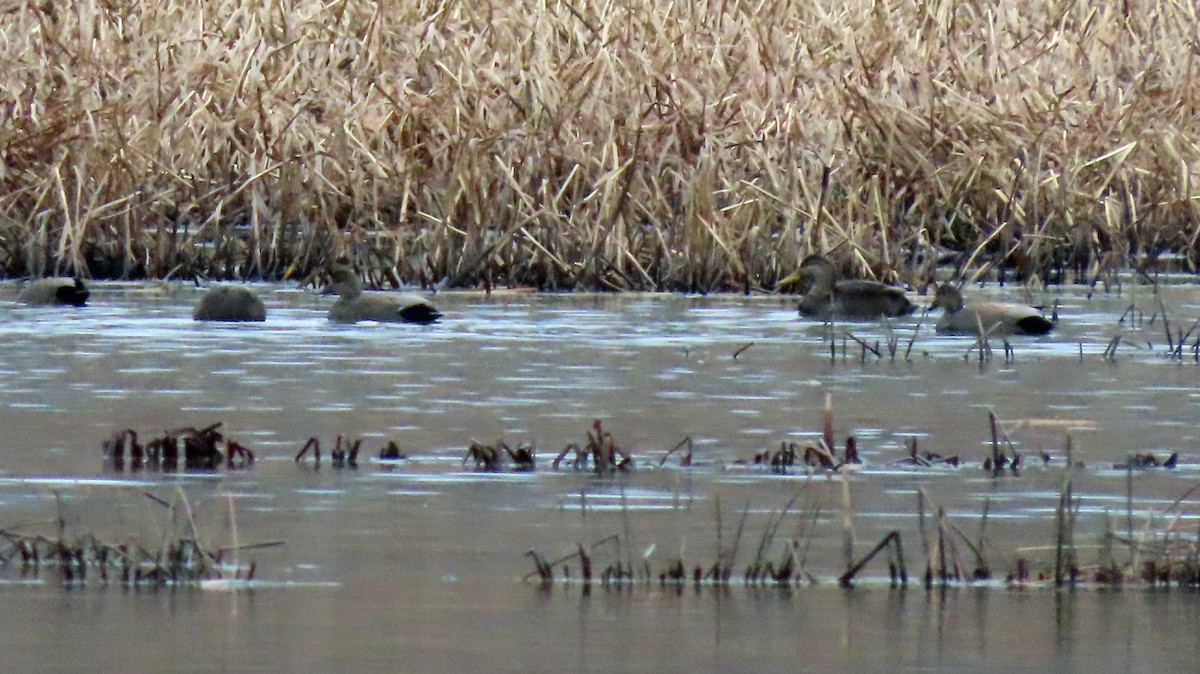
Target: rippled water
[{"x": 417, "y": 565}]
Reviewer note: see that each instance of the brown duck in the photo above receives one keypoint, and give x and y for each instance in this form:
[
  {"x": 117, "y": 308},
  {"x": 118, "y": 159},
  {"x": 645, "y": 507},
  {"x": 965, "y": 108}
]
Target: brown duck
[
  {"x": 827, "y": 298},
  {"x": 354, "y": 305},
  {"x": 996, "y": 318},
  {"x": 55, "y": 291},
  {"x": 229, "y": 303}
]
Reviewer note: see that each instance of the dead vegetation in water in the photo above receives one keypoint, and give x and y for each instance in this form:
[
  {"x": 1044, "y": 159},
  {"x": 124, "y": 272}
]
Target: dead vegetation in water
[
  {"x": 180, "y": 556},
  {"x": 954, "y": 554},
  {"x": 926, "y": 459},
  {"x": 194, "y": 448},
  {"x": 762, "y": 569},
  {"x": 599, "y": 452},
  {"x": 819, "y": 455},
  {"x": 1137, "y": 329},
  {"x": 473, "y": 143},
  {"x": 345, "y": 452},
  {"x": 887, "y": 350},
  {"x": 1005, "y": 455},
  {"x": 1145, "y": 460},
  {"x": 494, "y": 457}
]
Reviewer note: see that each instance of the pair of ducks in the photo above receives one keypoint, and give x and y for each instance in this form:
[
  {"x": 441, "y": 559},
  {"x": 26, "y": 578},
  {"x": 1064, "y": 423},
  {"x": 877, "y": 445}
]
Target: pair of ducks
[
  {"x": 828, "y": 298},
  {"x": 234, "y": 303}
]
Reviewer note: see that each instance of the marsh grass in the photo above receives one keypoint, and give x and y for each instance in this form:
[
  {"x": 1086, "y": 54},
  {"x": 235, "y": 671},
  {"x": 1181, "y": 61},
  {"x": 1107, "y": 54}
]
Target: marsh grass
[
  {"x": 182, "y": 555},
  {"x": 633, "y": 144}
]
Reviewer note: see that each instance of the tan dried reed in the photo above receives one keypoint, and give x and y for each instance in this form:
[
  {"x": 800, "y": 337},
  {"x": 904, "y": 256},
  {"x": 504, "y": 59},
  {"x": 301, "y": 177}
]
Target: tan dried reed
[{"x": 695, "y": 146}]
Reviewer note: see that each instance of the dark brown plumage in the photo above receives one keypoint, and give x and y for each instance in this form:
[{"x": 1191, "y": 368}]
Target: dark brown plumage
[
  {"x": 229, "y": 303},
  {"x": 827, "y": 298}
]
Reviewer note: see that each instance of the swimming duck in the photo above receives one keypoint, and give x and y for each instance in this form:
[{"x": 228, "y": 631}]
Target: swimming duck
[
  {"x": 354, "y": 305},
  {"x": 828, "y": 298},
  {"x": 997, "y": 318},
  {"x": 229, "y": 303},
  {"x": 51, "y": 291}
]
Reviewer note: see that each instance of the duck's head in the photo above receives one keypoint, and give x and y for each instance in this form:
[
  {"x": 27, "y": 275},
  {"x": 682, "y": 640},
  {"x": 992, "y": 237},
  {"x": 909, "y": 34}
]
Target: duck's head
[
  {"x": 344, "y": 281},
  {"x": 948, "y": 297},
  {"x": 815, "y": 272}
]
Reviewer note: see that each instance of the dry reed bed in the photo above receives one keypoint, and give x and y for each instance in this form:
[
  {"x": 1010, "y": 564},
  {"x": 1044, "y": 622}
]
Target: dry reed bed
[{"x": 631, "y": 144}]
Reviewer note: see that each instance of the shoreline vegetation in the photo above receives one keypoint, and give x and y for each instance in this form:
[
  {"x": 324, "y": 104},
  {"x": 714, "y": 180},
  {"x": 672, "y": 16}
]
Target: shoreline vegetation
[{"x": 635, "y": 145}]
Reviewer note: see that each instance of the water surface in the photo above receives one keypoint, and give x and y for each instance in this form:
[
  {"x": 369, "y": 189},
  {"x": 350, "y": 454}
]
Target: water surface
[{"x": 418, "y": 565}]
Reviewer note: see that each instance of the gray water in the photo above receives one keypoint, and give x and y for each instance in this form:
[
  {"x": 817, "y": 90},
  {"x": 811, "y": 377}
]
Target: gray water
[{"x": 418, "y": 565}]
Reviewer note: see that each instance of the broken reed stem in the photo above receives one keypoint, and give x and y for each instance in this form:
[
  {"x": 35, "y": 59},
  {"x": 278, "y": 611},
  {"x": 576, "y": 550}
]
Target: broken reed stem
[
  {"x": 1129, "y": 311},
  {"x": 978, "y": 548},
  {"x": 737, "y": 542},
  {"x": 982, "y": 570},
  {"x": 865, "y": 346},
  {"x": 916, "y": 329},
  {"x": 997, "y": 468},
  {"x": 943, "y": 573},
  {"x": 847, "y": 520},
  {"x": 893, "y": 340},
  {"x": 827, "y": 423},
  {"x": 686, "y": 442},
  {"x": 742, "y": 349},
  {"x": 628, "y": 541},
  {"x": 1177, "y": 354},
  {"x": 233, "y": 533},
  {"x": 925, "y": 544},
  {"x": 566, "y": 558},
  {"x": 1129, "y": 512},
  {"x": 985, "y": 348},
  {"x": 1110, "y": 351},
  {"x": 1064, "y": 557},
  {"x": 1162, "y": 307},
  {"x": 770, "y": 530},
  {"x": 806, "y": 527},
  {"x": 892, "y": 538},
  {"x": 720, "y": 544}
]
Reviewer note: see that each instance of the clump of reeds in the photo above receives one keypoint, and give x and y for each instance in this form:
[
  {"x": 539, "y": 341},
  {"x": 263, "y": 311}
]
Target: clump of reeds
[
  {"x": 492, "y": 457},
  {"x": 953, "y": 556},
  {"x": 1005, "y": 456},
  {"x": 345, "y": 452},
  {"x": 821, "y": 454},
  {"x": 621, "y": 572},
  {"x": 599, "y": 451},
  {"x": 614, "y": 146},
  {"x": 180, "y": 558},
  {"x": 926, "y": 459},
  {"x": 199, "y": 449},
  {"x": 685, "y": 456}
]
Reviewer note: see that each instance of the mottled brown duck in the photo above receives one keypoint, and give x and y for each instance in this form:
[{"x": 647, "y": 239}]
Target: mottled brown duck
[
  {"x": 229, "y": 303},
  {"x": 995, "y": 318},
  {"x": 353, "y": 305},
  {"x": 828, "y": 298}
]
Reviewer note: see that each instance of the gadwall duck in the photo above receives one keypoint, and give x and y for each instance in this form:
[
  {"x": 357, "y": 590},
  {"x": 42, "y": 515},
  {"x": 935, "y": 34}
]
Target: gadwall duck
[
  {"x": 354, "y": 305},
  {"x": 828, "y": 298},
  {"x": 51, "y": 291},
  {"x": 996, "y": 318},
  {"x": 229, "y": 303}
]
